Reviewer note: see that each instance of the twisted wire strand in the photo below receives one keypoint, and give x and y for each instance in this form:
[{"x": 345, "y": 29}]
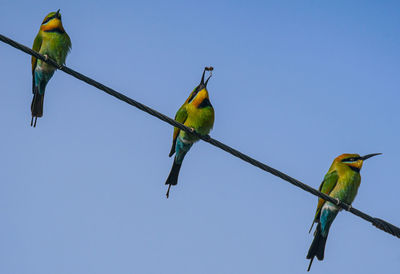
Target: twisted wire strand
[{"x": 379, "y": 223}]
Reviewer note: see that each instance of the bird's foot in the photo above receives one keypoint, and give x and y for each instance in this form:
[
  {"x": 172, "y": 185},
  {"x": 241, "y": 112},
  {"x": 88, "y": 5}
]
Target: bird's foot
[
  {"x": 337, "y": 201},
  {"x": 46, "y": 58}
]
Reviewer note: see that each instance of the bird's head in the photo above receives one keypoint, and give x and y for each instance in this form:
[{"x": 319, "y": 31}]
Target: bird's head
[
  {"x": 353, "y": 161},
  {"x": 200, "y": 92},
  {"x": 52, "y": 21}
]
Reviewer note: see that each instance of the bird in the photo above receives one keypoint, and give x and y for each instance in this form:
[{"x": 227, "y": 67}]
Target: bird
[
  {"x": 196, "y": 113},
  {"x": 341, "y": 182},
  {"x": 53, "y": 42}
]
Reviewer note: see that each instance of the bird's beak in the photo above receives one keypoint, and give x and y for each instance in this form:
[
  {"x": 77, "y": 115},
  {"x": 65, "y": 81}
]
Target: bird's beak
[
  {"x": 202, "y": 77},
  {"x": 369, "y": 156},
  {"x": 57, "y": 13},
  {"x": 208, "y": 79},
  {"x": 210, "y": 69}
]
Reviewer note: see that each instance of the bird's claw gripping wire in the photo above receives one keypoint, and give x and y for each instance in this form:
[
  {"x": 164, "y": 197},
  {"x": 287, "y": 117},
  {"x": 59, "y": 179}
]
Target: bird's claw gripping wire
[
  {"x": 47, "y": 58},
  {"x": 338, "y": 202}
]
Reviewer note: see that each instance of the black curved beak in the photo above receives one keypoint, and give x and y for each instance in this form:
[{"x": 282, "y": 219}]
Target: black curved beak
[
  {"x": 208, "y": 79},
  {"x": 210, "y": 69},
  {"x": 369, "y": 156},
  {"x": 57, "y": 13},
  {"x": 202, "y": 77}
]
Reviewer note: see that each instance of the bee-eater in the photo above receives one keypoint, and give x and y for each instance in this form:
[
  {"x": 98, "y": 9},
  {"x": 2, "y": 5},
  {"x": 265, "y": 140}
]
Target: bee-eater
[
  {"x": 196, "y": 113},
  {"x": 51, "y": 41},
  {"x": 341, "y": 182}
]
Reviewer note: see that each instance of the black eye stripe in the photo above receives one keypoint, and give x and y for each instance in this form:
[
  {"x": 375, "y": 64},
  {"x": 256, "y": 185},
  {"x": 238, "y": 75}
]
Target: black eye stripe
[
  {"x": 352, "y": 159},
  {"x": 52, "y": 17},
  {"x": 194, "y": 94}
]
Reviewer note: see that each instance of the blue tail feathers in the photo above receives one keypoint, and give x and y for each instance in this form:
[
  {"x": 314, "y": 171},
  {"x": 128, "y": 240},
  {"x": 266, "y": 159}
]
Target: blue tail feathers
[{"x": 181, "y": 149}]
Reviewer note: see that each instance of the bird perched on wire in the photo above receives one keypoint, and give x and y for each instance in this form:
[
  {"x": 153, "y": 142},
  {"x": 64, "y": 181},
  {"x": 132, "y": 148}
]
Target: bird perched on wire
[
  {"x": 53, "y": 42},
  {"x": 196, "y": 113},
  {"x": 341, "y": 182}
]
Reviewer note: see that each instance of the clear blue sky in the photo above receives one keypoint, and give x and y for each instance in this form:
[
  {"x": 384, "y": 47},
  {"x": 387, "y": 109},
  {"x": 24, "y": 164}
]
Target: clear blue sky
[{"x": 296, "y": 83}]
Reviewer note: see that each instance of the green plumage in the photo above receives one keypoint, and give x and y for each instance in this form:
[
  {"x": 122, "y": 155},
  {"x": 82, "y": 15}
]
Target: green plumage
[
  {"x": 53, "y": 44},
  {"x": 51, "y": 41},
  {"x": 341, "y": 182},
  {"x": 196, "y": 113}
]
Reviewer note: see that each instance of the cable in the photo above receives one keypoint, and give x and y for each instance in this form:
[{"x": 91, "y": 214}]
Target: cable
[{"x": 379, "y": 223}]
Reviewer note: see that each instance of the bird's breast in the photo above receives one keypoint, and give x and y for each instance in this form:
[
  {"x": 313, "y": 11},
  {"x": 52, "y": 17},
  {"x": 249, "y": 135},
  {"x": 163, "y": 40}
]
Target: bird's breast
[
  {"x": 55, "y": 46},
  {"x": 347, "y": 187}
]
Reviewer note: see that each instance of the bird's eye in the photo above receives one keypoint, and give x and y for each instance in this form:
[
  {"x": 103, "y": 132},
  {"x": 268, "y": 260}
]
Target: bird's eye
[{"x": 349, "y": 160}]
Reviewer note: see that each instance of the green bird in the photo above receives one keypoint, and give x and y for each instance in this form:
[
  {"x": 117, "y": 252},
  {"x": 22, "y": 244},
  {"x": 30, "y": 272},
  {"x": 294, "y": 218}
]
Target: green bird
[
  {"x": 51, "y": 41},
  {"x": 196, "y": 113},
  {"x": 341, "y": 182}
]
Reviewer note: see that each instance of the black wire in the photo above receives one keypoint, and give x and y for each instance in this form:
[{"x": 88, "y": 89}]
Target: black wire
[{"x": 381, "y": 224}]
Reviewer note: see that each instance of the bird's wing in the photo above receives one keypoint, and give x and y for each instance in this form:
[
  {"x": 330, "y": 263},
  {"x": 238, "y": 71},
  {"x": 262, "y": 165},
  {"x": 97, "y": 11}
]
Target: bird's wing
[
  {"x": 180, "y": 117},
  {"x": 36, "y": 47},
  {"x": 327, "y": 185},
  {"x": 69, "y": 44}
]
